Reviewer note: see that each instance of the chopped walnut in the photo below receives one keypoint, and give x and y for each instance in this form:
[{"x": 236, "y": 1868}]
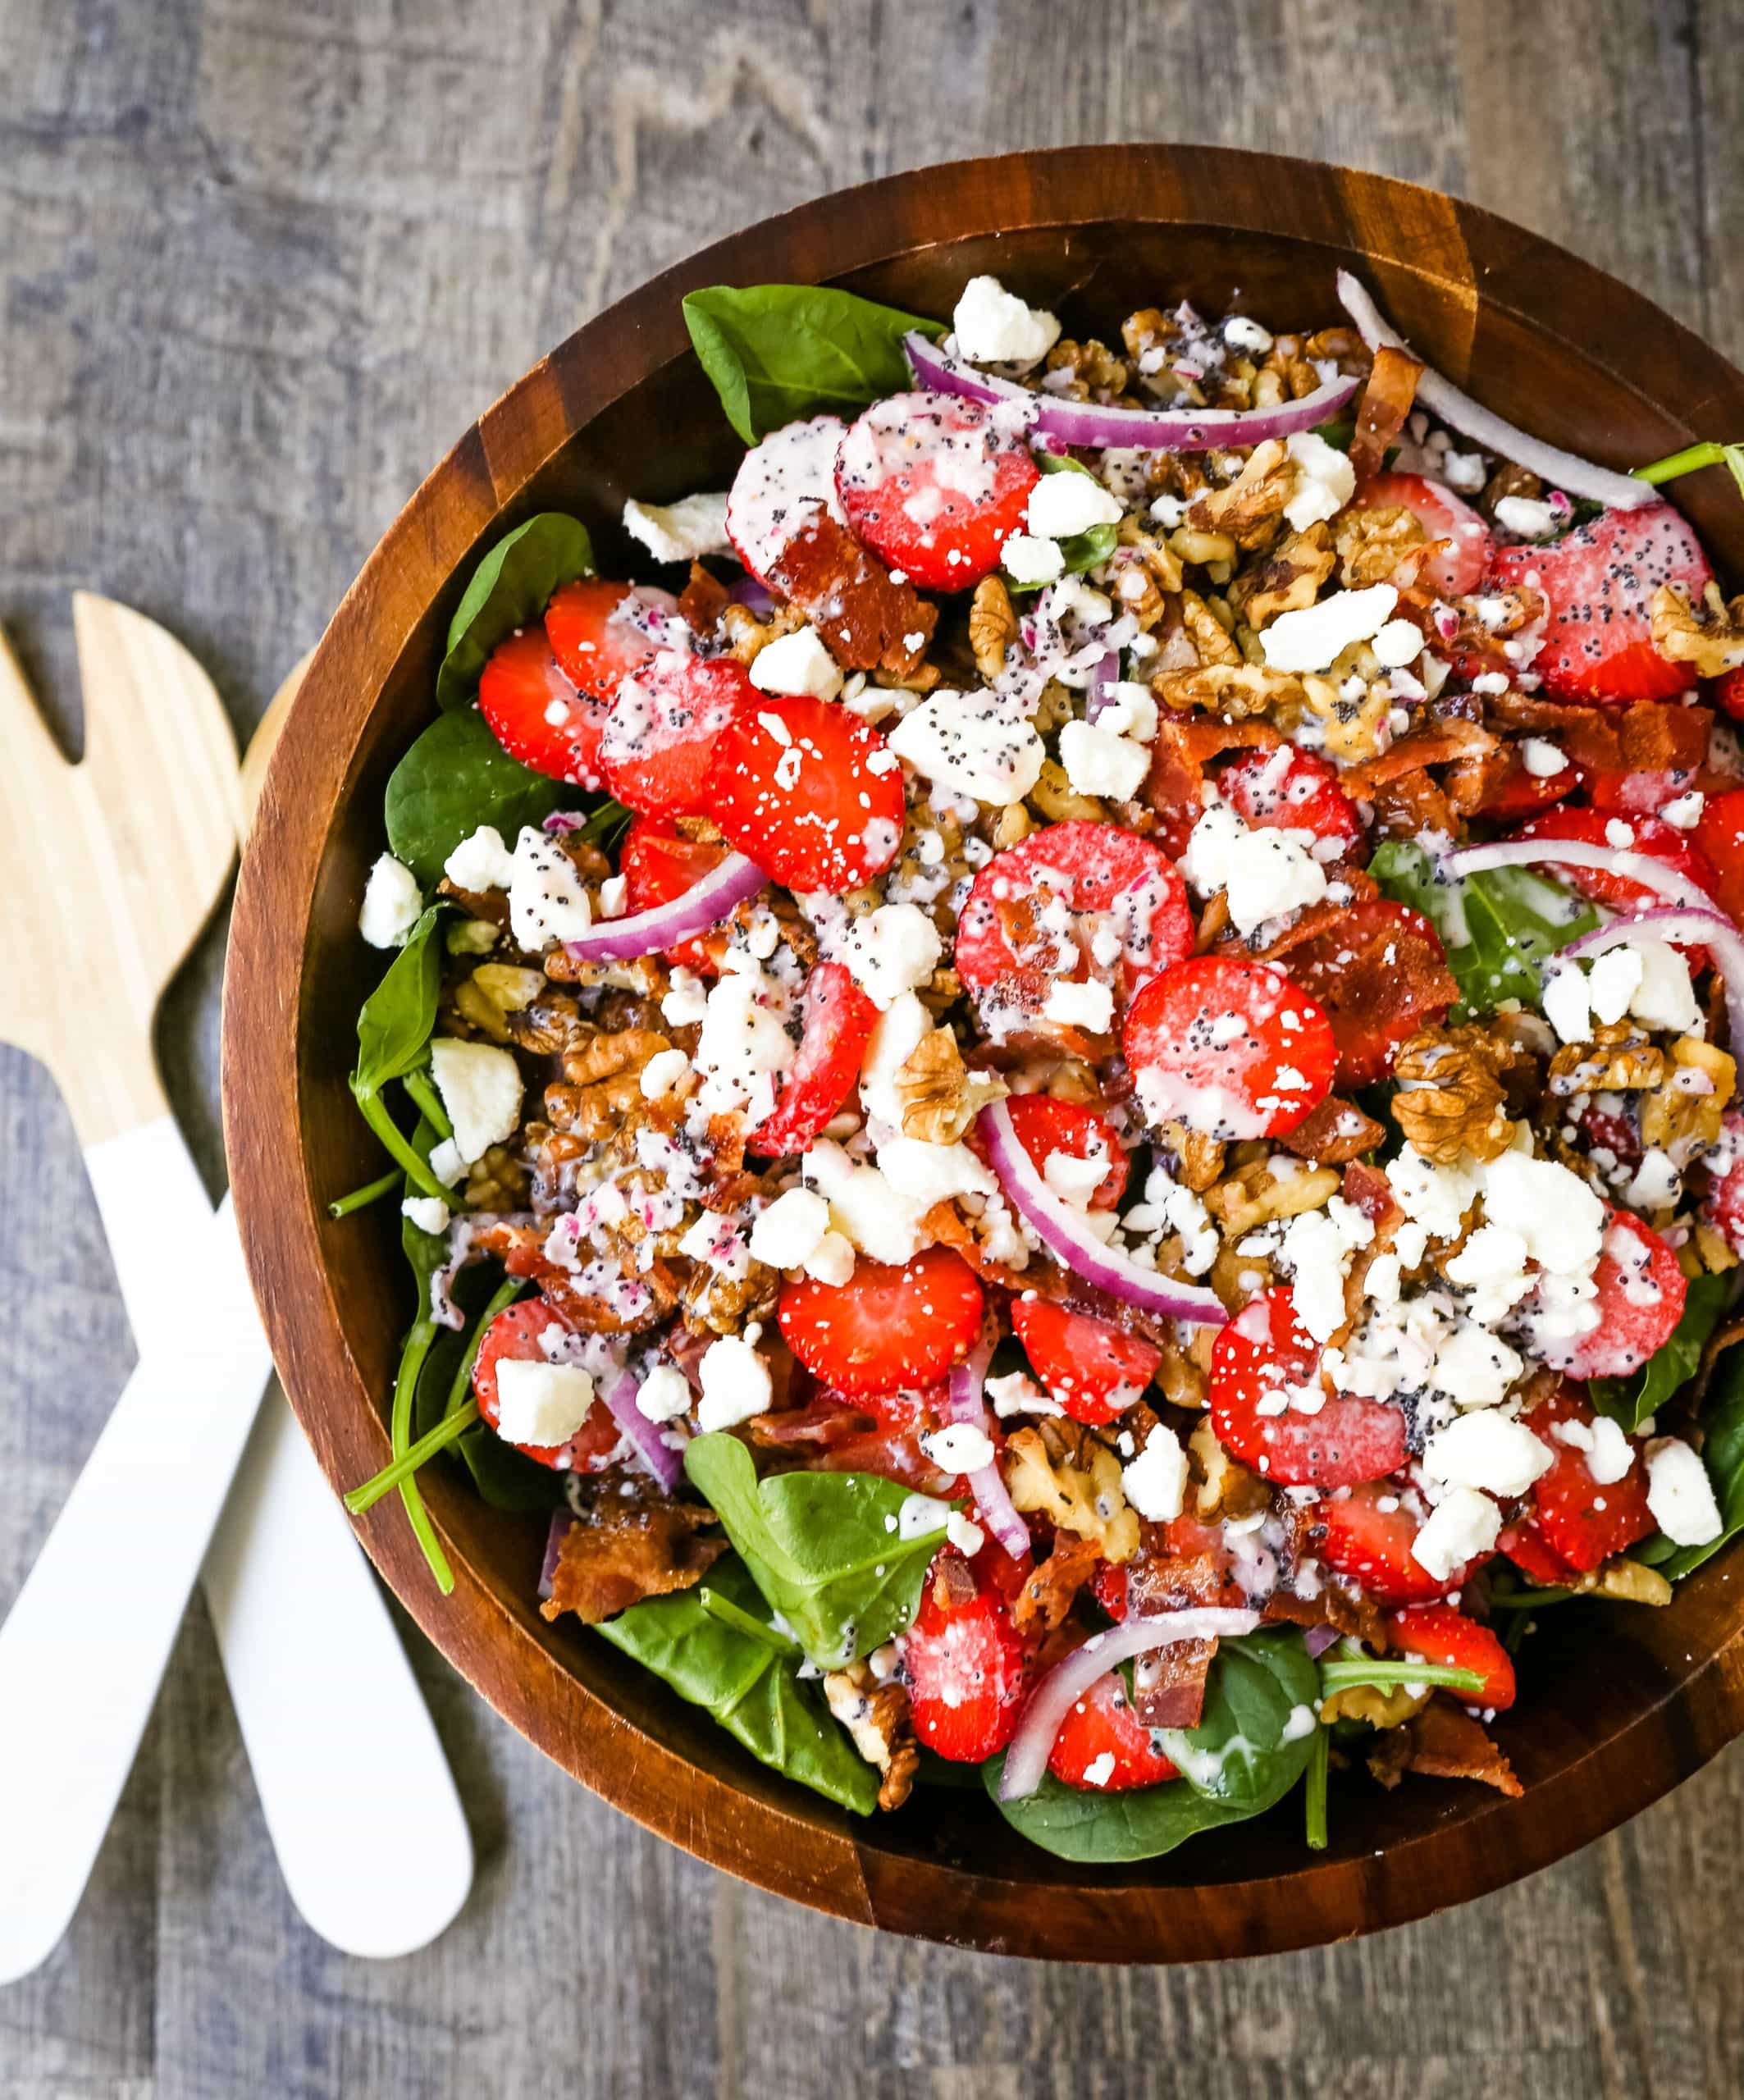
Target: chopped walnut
[
  {"x": 1629, "y": 1581},
  {"x": 644, "y": 974},
  {"x": 1061, "y": 1471},
  {"x": 993, "y": 625},
  {"x": 1255, "y": 1195},
  {"x": 1710, "y": 640},
  {"x": 1288, "y": 580},
  {"x": 494, "y": 991},
  {"x": 939, "y": 1096},
  {"x": 1249, "y": 509},
  {"x": 1058, "y": 800},
  {"x": 1095, "y": 368},
  {"x": 1352, "y": 730},
  {"x": 877, "y": 1717},
  {"x": 1148, "y": 329},
  {"x": 1214, "y": 552},
  {"x": 497, "y": 1182},
  {"x": 1011, "y": 826},
  {"x": 1211, "y": 639},
  {"x": 748, "y": 636},
  {"x": 1621, "y": 1058},
  {"x": 1161, "y": 563},
  {"x": 1682, "y": 1115},
  {"x": 1372, "y": 540},
  {"x": 601, "y": 1082},
  {"x": 1451, "y": 1099},
  {"x": 1198, "y": 1160},
  {"x": 1236, "y": 691},
  {"x": 1222, "y": 1485},
  {"x": 1507, "y": 480},
  {"x": 1367, "y": 1702}
]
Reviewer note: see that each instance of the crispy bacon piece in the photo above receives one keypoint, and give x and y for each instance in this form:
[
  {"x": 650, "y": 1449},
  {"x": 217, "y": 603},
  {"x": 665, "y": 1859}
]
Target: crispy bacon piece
[
  {"x": 1170, "y": 1693},
  {"x": 869, "y": 622},
  {"x": 1336, "y": 1131},
  {"x": 613, "y": 1560},
  {"x": 1647, "y": 736},
  {"x": 1412, "y": 803},
  {"x": 702, "y": 601},
  {"x": 1446, "y": 1743},
  {"x": 1385, "y": 403},
  {"x": 1185, "y": 746},
  {"x": 1051, "y": 1590},
  {"x": 1435, "y": 743},
  {"x": 1351, "y": 1616}
]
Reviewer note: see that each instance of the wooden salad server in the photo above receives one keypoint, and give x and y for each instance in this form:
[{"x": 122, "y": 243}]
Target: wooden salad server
[{"x": 112, "y": 867}]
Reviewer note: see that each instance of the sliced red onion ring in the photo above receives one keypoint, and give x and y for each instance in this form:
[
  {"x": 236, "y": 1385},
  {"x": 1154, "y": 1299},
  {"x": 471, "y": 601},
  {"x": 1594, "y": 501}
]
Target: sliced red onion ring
[
  {"x": 1318, "y": 1640},
  {"x": 1708, "y": 928},
  {"x": 1157, "y": 430},
  {"x": 561, "y": 1520},
  {"x": 1103, "y": 679},
  {"x": 1070, "y": 1240},
  {"x": 649, "y": 1437},
  {"x": 993, "y": 1505},
  {"x": 1579, "y": 853},
  {"x": 1069, "y": 1680},
  {"x": 664, "y": 925},
  {"x": 749, "y": 592},
  {"x": 1459, "y": 412}
]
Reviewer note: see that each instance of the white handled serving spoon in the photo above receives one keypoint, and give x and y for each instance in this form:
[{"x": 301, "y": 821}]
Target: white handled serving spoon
[{"x": 120, "y": 860}]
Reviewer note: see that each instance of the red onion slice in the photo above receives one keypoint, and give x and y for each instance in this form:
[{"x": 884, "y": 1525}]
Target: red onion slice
[
  {"x": 1318, "y": 1640},
  {"x": 1157, "y": 430},
  {"x": 1068, "y": 1681},
  {"x": 649, "y": 1437},
  {"x": 1099, "y": 694},
  {"x": 1072, "y": 1243},
  {"x": 1459, "y": 412},
  {"x": 1580, "y": 853},
  {"x": 1709, "y": 928},
  {"x": 993, "y": 1505},
  {"x": 664, "y": 925},
  {"x": 561, "y": 1520}
]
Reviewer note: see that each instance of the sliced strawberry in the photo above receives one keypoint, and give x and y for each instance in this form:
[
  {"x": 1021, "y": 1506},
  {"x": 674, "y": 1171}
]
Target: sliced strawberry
[
  {"x": 1599, "y": 580},
  {"x": 837, "y": 1020},
  {"x": 1520, "y": 792},
  {"x": 1641, "y": 1291},
  {"x": 1380, "y": 973},
  {"x": 885, "y": 1327},
  {"x": 1259, "y": 1363},
  {"x": 536, "y": 715},
  {"x": 594, "y": 647},
  {"x": 1723, "y": 1205},
  {"x": 1103, "y": 1747},
  {"x": 809, "y": 791},
  {"x": 965, "y": 1665},
  {"x": 1035, "y": 910},
  {"x": 1583, "y": 1520},
  {"x": 1367, "y": 1535},
  {"x": 1230, "y": 1048},
  {"x": 1621, "y": 794},
  {"x": 1719, "y": 838},
  {"x": 1458, "y": 569},
  {"x": 1289, "y": 789},
  {"x": 1093, "y": 1368},
  {"x": 1726, "y": 691},
  {"x": 1647, "y": 836},
  {"x": 658, "y": 863},
  {"x": 515, "y": 1333},
  {"x": 663, "y": 728},
  {"x": 1438, "y": 1633},
  {"x": 1524, "y": 1546},
  {"x": 935, "y": 486},
  {"x": 780, "y": 483},
  {"x": 1044, "y": 1126}
]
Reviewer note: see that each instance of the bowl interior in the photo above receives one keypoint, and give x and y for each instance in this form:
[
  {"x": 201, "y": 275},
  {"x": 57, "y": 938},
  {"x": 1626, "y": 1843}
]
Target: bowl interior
[{"x": 1614, "y": 1707}]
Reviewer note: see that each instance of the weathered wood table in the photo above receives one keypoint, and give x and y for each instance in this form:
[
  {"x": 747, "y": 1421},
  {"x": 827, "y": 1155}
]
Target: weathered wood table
[{"x": 259, "y": 261}]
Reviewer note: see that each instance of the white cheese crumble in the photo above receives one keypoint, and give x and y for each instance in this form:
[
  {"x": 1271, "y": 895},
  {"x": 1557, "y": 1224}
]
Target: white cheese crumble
[
  {"x": 1680, "y": 1494},
  {"x": 547, "y": 898},
  {"x": 1101, "y": 761},
  {"x": 481, "y": 1090},
  {"x": 1264, "y": 872},
  {"x": 481, "y": 862},
  {"x": 797, "y": 663},
  {"x": 1487, "y": 1450},
  {"x": 1462, "y": 1525},
  {"x": 960, "y": 1447},
  {"x": 1063, "y": 503},
  {"x": 1155, "y": 1482},
  {"x": 1326, "y": 480},
  {"x": 662, "y": 1073},
  {"x": 1028, "y": 560},
  {"x": 542, "y": 1404},
  {"x": 1543, "y": 760},
  {"x": 1314, "y": 638},
  {"x": 684, "y": 531},
  {"x": 1086, "y": 1003},
  {"x": 975, "y": 744},
  {"x": 891, "y": 951},
  {"x": 930, "y": 1174},
  {"x": 428, "y": 1213},
  {"x": 664, "y": 1394},
  {"x": 789, "y": 1232},
  {"x": 736, "y": 1384},
  {"x": 994, "y": 327},
  {"x": 391, "y": 904}
]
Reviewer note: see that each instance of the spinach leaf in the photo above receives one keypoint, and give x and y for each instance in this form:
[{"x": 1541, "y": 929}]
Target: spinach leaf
[
  {"x": 754, "y": 1692},
  {"x": 1245, "y": 1744},
  {"x": 1723, "y": 1453},
  {"x": 1497, "y": 927},
  {"x": 1083, "y": 550},
  {"x": 776, "y": 352},
  {"x": 1075, "y": 1823},
  {"x": 455, "y": 778},
  {"x": 511, "y": 588},
  {"x": 392, "y": 1035},
  {"x": 1629, "y": 1401},
  {"x": 825, "y": 1549}
]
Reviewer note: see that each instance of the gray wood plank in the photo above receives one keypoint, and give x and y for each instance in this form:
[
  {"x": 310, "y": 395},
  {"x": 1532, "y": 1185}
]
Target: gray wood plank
[{"x": 261, "y": 262}]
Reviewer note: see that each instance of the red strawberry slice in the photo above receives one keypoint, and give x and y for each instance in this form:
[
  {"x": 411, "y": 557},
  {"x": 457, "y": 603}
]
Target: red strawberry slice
[
  {"x": 536, "y": 715},
  {"x": 885, "y": 1327},
  {"x": 809, "y": 791},
  {"x": 1583, "y": 1520},
  {"x": 1520, "y": 792},
  {"x": 965, "y": 1665},
  {"x": 664, "y": 727},
  {"x": 935, "y": 486},
  {"x": 1641, "y": 1291},
  {"x": 1723, "y": 1205},
  {"x": 1093, "y": 1368},
  {"x": 1438, "y": 1633},
  {"x": 1380, "y": 973},
  {"x": 1234, "y": 1049},
  {"x": 1719, "y": 838},
  {"x": 1258, "y": 1364},
  {"x": 1525, "y": 1547},
  {"x": 1035, "y": 908},
  {"x": 780, "y": 483},
  {"x": 1599, "y": 580},
  {"x": 1044, "y": 1126},
  {"x": 1367, "y": 1534},
  {"x": 515, "y": 1333},
  {"x": 1290, "y": 789},
  {"x": 1647, "y": 836},
  {"x": 1458, "y": 569},
  {"x": 1726, "y": 691},
  {"x": 837, "y": 1020},
  {"x": 1103, "y": 1747},
  {"x": 658, "y": 863},
  {"x": 595, "y": 646}
]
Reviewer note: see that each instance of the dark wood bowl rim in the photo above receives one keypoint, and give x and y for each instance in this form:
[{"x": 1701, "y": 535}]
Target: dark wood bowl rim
[{"x": 776, "y": 1838}]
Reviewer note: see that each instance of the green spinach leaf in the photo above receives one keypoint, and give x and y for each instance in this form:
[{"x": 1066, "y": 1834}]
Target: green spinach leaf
[
  {"x": 825, "y": 1549},
  {"x": 1083, "y": 550},
  {"x": 1723, "y": 1453},
  {"x": 455, "y": 778},
  {"x": 511, "y": 588},
  {"x": 776, "y": 352},
  {"x": 1497, "y": 927},
  {"x": 394, "y": 1027},
  {"x": 1629, "y": 1401},
  {"x": 752, "y": 1690},
  {"x": 1075, "y": 1823}
]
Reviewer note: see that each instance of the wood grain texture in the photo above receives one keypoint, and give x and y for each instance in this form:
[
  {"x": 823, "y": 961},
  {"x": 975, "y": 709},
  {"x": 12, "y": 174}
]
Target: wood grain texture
[{"x": 260, "y": 264}]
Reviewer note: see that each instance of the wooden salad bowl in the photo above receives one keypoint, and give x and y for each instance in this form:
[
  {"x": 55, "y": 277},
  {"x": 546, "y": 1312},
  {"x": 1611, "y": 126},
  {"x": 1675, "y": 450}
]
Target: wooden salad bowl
[{"x": 1617, "y": 1706}]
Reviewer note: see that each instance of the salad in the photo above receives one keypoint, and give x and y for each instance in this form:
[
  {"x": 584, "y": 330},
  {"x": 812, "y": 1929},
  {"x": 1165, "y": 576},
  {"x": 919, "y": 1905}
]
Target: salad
[{"x": 1066, "y": 1092}]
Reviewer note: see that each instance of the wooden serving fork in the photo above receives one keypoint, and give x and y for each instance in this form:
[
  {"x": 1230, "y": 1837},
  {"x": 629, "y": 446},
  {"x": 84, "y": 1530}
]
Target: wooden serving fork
[{"x": 111, "y": 868}]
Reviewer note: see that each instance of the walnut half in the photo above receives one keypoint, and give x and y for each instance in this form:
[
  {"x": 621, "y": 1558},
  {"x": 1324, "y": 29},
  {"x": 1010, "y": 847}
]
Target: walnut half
[{"x": 1451, "y": 1099}]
